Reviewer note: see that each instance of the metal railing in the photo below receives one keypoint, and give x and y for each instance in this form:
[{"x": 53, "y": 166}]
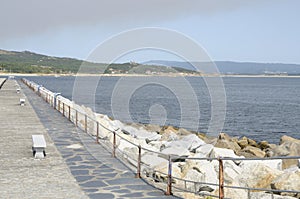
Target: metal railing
[
  {"x": 91, "y": 126},
  {"x": 3, "y": 82}
]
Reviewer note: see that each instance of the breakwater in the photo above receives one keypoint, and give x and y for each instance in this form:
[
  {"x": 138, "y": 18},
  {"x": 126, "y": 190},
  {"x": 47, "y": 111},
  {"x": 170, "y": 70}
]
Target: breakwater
[
  {"x": 23, "y": 176},
  {"x": 185, "y": 161}
]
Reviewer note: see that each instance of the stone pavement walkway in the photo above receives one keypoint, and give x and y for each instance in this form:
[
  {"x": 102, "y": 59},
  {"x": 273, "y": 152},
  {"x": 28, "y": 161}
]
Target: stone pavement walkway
[
  {"x": 22, "y": 176},
  {"x": 97, "y": 173}
]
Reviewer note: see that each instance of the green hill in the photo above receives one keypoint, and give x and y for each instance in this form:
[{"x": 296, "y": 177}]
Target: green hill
[{"x": 29, "y": 62}]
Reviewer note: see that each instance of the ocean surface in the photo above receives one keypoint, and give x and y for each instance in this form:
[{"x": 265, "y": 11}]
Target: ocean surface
[{"x": 261, "y": 108}]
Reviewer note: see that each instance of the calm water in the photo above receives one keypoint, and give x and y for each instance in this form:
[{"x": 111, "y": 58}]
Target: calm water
[{"x": 260, "y": 108}]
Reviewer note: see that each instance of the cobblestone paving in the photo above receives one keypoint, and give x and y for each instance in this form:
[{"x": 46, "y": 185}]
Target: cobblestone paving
[
  {"x": 22, "y": 176},
  {"x": 97, "y": 173}
]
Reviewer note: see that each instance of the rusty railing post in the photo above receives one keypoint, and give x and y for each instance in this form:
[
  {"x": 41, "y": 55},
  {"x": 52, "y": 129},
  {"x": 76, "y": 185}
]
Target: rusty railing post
[
  {"x": 69, "y": 116},
  {"x": 85, "y": 123},
  {"x": 114, "y": 145},
  {"x": 169, "y": 185},
  {"x": 221, "y": 179},
  {"x": 54, "y": 102},
  {"x": 76, "y": 118},
  {"x": 58, "y": 106},
  {"x": 138, "y": 174},
  {"x": 97, "y": 133}
]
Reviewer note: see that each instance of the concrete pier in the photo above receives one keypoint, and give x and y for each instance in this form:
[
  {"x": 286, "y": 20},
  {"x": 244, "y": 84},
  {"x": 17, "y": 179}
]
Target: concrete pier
[
  {"x": 22, "y": 176},
  {"x": 75, "y": 166}
]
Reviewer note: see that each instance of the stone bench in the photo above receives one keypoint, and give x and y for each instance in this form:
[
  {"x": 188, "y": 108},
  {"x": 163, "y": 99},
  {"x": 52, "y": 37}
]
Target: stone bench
[
  {"x": 38, "y": 146},
  {"x": 22, "y": 102}
]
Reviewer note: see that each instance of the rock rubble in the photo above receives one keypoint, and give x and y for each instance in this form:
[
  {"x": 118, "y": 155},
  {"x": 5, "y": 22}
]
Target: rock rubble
[{"x": 161, "y": 142}]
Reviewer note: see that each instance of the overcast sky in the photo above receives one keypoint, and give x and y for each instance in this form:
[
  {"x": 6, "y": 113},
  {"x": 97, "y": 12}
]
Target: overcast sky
[{"x": 236, "y": 30}]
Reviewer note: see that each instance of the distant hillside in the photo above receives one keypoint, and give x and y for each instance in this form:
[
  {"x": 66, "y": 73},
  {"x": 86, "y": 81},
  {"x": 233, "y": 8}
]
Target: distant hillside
[
  {"x": 29, "y": 62},
  {"x": 227, "y": 67}
]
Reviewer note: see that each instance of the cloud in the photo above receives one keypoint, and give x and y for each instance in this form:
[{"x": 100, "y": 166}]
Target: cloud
[{"x": 27, "y": 17}]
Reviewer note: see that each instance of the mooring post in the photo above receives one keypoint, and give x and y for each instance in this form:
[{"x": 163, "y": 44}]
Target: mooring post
[
  {"x": 221, "y": 179},
  {"x": 63, "y": 109},
  {"x": 138, "y": 174},
  {"x": 169, "y": 185},
  {"x": 97, "y": 133},
  {"x": 114, "y": 145}
]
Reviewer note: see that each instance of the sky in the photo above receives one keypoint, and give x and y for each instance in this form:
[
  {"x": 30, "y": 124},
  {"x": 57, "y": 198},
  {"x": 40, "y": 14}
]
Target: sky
[{"x": 228, "y": 30}]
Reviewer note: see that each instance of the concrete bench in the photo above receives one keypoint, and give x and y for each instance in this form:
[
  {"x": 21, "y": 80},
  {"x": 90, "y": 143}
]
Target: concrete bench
[
  {"x": 38, "y": 146},
  {"x": 22, "y": 102}
]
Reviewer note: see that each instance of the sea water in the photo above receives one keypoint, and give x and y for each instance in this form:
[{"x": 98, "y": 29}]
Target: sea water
[{"x": 262, "y": 108}]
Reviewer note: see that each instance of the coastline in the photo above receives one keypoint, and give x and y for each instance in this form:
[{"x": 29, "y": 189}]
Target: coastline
[{"x": 146, "y": 75}]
